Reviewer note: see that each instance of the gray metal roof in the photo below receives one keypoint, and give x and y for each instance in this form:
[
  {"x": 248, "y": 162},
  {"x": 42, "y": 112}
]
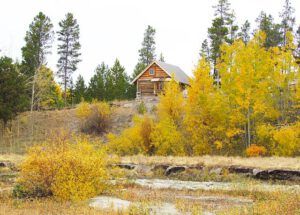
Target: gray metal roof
[{"x": 178, "y": 73}]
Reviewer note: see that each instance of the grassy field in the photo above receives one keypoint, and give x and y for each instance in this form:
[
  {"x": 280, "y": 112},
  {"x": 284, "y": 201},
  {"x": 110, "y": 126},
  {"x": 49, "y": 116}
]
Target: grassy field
[{"x": 263, "y": 203}]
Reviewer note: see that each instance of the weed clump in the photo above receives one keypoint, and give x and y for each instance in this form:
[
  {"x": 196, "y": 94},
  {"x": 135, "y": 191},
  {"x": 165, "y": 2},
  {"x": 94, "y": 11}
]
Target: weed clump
[{"x": 94, "y": 117}]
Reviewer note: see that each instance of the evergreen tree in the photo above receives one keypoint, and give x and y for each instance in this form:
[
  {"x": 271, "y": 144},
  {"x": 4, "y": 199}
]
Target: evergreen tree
[
  {"x": 222, "y": 30},
  {"x": 68, "y": 49},
  {"x": 139, "y": 67},
  {"x": 205, "y": 50},
  {"x": 147, "y": 52},
  {"x": 271, "y": 29},
  {"x": 222, "y": 9},
  {"x": 217, "y": 35},
  {"x": 38, "y": 41},
  {"x": 12, "y": 93},
  {"x": 244, "y": 33},
  {"x": 161, "y": 58},
  {"x": 118, "y": 81},
  {"x": 297, "y": 50},
  {"x": 97, "y": 86},
  {"x": 288, "y": 20},
  {"x": 79, "y": 90}
]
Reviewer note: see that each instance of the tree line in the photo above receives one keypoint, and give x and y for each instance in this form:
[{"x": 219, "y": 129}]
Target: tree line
[
  {"x": 37, "y": 89},
  {"x": 31, "y": 85},
  {"x": 224, "y": 29}
]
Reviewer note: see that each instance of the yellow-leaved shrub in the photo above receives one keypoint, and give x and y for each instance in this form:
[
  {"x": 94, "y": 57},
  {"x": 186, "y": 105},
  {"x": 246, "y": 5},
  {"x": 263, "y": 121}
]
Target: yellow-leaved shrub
[
  {"x": 65, "y": 169},
  {"x": 94, "y": 117},
  {"x": 133, "y": 140}
]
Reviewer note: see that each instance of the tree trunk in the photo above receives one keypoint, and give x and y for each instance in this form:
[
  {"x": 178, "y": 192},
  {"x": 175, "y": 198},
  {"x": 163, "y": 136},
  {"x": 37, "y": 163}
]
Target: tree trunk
[{"x": 249, "y": 127}]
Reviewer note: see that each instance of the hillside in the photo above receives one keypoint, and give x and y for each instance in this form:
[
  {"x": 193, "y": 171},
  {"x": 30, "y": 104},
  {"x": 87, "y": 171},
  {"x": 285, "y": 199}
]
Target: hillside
[{"x": 26, "y": 129}]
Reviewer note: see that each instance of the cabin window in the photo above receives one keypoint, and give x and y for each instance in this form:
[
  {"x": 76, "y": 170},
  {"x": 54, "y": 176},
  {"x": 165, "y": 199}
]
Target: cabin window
[{"x": 151, "y": 71}]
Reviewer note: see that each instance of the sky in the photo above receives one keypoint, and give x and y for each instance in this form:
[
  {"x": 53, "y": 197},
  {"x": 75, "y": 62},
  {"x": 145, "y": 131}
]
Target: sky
[{"x": 111, "y": 29}]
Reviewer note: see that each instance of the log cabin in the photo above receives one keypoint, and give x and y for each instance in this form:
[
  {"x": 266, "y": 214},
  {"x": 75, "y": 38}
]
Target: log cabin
[{"x": 150, "y": 82}]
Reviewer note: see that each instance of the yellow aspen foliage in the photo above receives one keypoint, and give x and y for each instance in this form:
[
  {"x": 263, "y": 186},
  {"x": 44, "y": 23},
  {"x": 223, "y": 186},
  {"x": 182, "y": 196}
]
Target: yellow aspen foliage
[
  {"x": 205, "y": 113},
  {"x": 171, "y": 103},
  {"x": 167, "y": 139},
  {"x": 247, "y": 78},
  {"x": 287, "y": 140},
  {"x": 68, "y": 170},
  {"x": 285, "y": 79}
]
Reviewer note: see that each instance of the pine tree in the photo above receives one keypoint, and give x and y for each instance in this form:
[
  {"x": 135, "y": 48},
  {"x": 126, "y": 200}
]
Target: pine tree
[
  {"x": 161, "y": 58},
  {"x": 12, "y": 94},
  {"x": 223, "y": 30},
  {"x": 271, "y": 29},
  {"x": 97, "y": 86},
  {"x": 147, "y": 52},
  {"x": 38, "y": 42},
  {"x": 297, "y": 50},
  {"x": 205, "y": 52},
  {"x": 288, "y": 20},
  {"x": 244, "y": 33},
  {"x": 119, "y": 81},
  {"x": 79, "y": 90},
  {"x": 68, "y": 49}
]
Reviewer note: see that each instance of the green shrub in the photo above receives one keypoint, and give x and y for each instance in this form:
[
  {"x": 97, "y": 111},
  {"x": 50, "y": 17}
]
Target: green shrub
[{"x": 142, "y": 109}]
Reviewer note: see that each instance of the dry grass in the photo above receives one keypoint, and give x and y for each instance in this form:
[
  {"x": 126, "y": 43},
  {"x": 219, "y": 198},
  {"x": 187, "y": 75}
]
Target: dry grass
[
  {"x": 45, "y": 206},
  {"x": 257, "y": 162},
  {"x": 209, "y": 161},
  {"x": 14, "y": 158}
]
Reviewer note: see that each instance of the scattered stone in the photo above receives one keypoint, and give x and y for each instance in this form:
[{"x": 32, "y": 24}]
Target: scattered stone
[
  {"x": 106, "y": 202},
  {"x": 174, "y": 169},
  {"x": 217, "y": 171}
]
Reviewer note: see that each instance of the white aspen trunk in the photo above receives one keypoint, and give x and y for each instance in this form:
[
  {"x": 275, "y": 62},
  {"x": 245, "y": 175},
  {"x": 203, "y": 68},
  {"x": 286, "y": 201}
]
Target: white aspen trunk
[{"x": 249, "y": 127}]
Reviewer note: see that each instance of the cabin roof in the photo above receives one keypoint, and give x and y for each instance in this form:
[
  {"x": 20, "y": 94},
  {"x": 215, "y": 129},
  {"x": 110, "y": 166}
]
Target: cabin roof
[{"x": 170, "y": 69}]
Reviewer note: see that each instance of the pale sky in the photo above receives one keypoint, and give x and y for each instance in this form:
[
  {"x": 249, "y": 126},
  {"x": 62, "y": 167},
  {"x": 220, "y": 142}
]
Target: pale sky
[{"x": 111, "y": 29}]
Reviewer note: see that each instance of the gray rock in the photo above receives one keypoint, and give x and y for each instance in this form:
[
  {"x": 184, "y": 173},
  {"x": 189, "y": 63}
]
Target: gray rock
[
  {"x": 106, "y": 202},
  {"x": 195, "y": 185},
  {"x": 128, "y": 105},
  {"x": 240, "y": 170},
  {"x": 217, "y": 171},
  {"x": 174, "y": 169},
  {"x": 143, "y": 169}
]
